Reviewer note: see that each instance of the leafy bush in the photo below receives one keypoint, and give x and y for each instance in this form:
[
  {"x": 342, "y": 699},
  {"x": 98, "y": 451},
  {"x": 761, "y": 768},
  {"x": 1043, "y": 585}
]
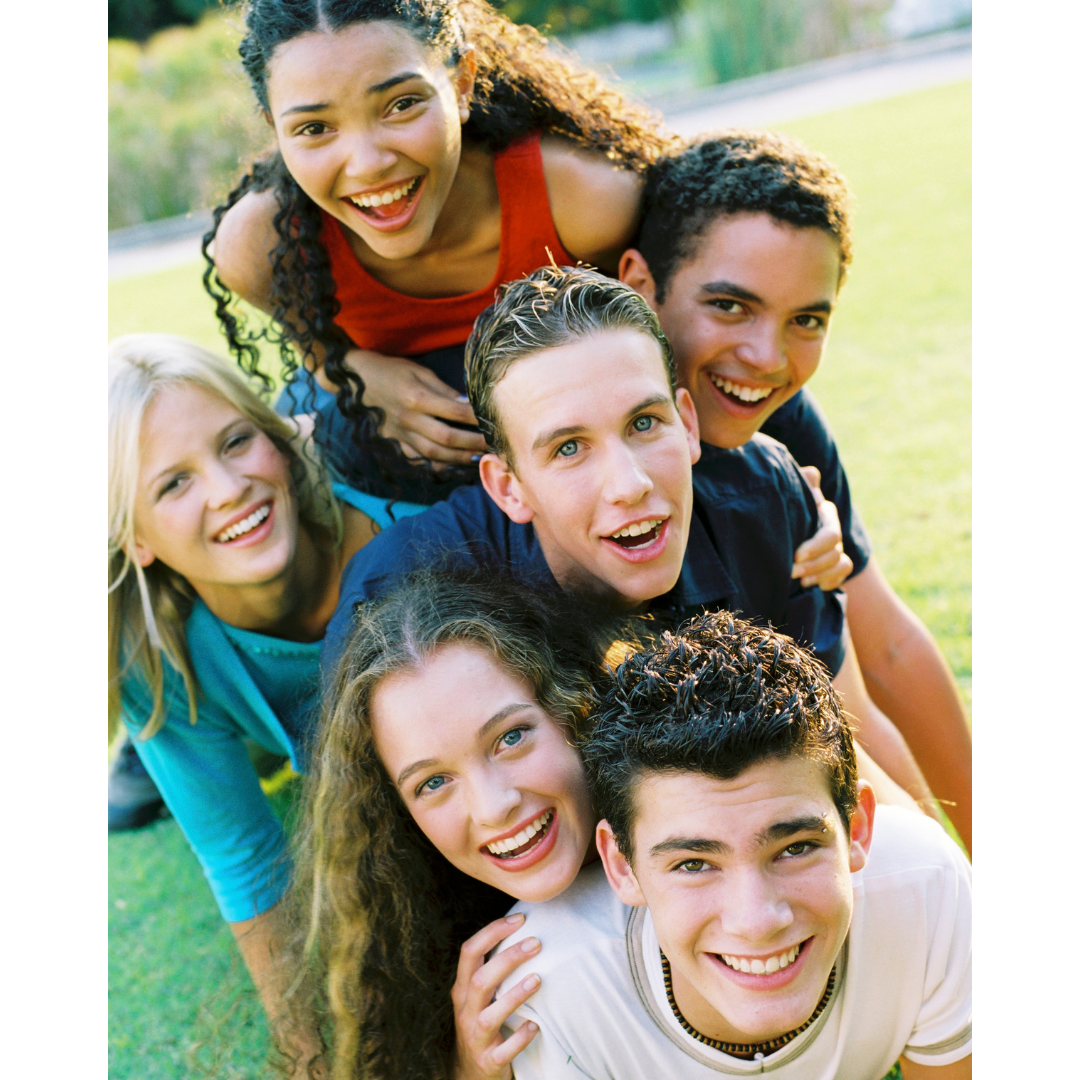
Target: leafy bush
[
  {"x": 138, "y": 19},
  {"x": 182, "y": 121}
]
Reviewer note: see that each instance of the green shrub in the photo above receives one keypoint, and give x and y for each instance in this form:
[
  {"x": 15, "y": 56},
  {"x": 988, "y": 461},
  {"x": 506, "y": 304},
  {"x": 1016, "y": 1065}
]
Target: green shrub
[
  {"x": 182, "y": 121},
  {"x": 738, "y": 38}
]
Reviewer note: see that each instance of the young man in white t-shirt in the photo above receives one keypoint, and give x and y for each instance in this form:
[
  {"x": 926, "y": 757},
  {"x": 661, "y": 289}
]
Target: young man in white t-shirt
[{"x": 744, "y": 926}]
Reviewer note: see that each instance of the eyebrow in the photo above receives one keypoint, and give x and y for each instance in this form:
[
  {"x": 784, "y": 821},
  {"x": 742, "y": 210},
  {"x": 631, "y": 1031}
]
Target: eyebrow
[
  {"x": 729, "y": 288},
  {"x": 781, "y": 830},
  {"x": 378, "y": 88},
  {"x": 545, "y": 438},
  {"x": 502, "y": 714}
]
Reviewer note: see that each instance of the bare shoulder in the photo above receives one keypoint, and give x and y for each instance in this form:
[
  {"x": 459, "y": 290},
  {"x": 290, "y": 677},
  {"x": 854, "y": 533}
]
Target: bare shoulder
[
  {"x": 595, "y": 203},
  {"x": 243, "y": 244}
]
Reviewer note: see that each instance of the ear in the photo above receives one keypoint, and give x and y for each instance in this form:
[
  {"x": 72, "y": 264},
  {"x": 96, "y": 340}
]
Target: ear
[
  {"x": 862, "y": 825},
  {"x": 464, "y": 81},
  {"x": 620, "y": 873},
  {"x": 268, "y": 117},
  {"x": 505, "y": 489},
  {"x": 634, "y": 271},
  {"x": 142, "y": 554},
  {"x": 685, "y": 404}
]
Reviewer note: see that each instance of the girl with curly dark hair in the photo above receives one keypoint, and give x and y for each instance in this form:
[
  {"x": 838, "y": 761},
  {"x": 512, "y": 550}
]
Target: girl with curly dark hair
[{"x": 427, "y": 151}]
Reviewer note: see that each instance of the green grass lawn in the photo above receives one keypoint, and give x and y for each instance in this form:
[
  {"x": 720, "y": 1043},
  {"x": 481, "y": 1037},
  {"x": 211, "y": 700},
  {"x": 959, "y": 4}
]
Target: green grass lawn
[{"x": 896, "y": 386}]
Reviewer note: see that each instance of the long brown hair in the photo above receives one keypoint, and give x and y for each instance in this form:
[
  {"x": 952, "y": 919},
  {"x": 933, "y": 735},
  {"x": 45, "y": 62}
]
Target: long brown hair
[
  {"x": 381, "y": 912},
  {"x": 522, "y": 84}
]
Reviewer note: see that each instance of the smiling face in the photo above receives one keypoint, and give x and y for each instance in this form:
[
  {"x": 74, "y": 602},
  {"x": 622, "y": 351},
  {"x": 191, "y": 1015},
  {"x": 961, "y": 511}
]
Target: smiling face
[
  {"x": 747, "y": 316},
  {"x": 369, "y": 125},
  {"x": 748, "y": 882},
  {"x": 601, "y": 463},
  {"x": 489, "y": 777},
  {"x": 215, "y": 500}
]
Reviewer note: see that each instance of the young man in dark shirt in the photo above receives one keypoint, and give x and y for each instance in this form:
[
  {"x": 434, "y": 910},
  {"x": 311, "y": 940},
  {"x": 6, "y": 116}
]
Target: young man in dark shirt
[
  {"x": 590, "y": 487},
  {"x": 744, "y": 245}
]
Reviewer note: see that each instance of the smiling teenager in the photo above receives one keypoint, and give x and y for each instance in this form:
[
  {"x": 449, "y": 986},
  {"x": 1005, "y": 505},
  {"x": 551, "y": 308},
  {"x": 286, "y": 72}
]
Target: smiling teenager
[
  {"x": 445, "y": 783},
  {"x": 742, "y": 922},
  {"x": 426, "y": 152},
  {"x": 226, "y": 546},
  {"x": 590, "y": 488},
  {"x": 744, "y": 245}
]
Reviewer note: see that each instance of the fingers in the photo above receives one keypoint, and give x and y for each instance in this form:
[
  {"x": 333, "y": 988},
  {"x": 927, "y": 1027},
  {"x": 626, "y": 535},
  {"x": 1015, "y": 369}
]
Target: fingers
[
  {"x": 471, "y": 957},
  {"x": 438, "y": 399},
  {"x": 487, "y": 978},
  {"x": 834, "y": 578},
  {"x": 500, "y": 1056},
  {"x": 434, "y": 452},
  {"x": 812, "y": 475},
  {"x": 502, "y": 1008}
]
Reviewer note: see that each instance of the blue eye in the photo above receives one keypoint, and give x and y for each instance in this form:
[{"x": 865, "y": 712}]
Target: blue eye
[
  {"x": 432, "y": 784},
  {"x": 644, "y": 423},
  {"x": 568, "y": 449},
  {"x": 513, "y": 737}
]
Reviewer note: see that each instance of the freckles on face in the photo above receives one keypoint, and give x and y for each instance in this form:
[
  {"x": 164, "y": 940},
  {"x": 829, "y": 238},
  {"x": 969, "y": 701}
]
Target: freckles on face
[
  {"x": 488, "y": 776},
  {"x": 747, "y": 316}
]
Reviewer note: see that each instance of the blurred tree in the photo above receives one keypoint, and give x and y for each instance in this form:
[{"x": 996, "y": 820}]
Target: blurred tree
[
  {"x": 138, "y": 19},
  {"x": 574, "y": 16}
]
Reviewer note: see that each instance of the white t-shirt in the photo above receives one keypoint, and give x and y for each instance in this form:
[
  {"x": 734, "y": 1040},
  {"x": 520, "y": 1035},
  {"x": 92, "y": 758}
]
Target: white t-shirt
[{"x": 903, "y": 986}]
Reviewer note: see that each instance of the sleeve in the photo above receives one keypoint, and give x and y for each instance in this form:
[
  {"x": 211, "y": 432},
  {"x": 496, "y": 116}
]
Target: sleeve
[
  {"x": 800, "y": 424},
  {"x": 942, "y": 1032},
  {"x": 207, "y": 780}
]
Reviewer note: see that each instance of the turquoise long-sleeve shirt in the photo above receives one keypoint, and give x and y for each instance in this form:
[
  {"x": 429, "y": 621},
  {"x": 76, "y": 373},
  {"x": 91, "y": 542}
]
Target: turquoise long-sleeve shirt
[{"x": 251, "y": 686}]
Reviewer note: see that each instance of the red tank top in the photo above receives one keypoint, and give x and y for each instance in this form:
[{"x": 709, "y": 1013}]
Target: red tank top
[{"x": 376, "y": 317}]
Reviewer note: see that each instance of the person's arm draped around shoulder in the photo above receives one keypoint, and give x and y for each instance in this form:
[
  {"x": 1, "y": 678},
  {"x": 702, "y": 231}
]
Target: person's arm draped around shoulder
[
  {"x": 957, "y": 1070},
  {"x": 595, "y": 204},
  {"x": 908, "y": 678},
  {"x": 415, "y": 400}
]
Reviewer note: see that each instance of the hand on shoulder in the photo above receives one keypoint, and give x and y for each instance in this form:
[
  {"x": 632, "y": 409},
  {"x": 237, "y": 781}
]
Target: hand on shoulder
[{"x": 595, "y": 204}]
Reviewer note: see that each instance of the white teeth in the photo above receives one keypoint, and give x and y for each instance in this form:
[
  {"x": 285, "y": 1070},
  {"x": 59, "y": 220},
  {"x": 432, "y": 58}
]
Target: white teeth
[
  {"x": 743, "y": 393},
  {"x": 384, "y": 198},
  {"x": 770, "y": 964},
  {"x": 257, "y": 517},
  {"x": 503, "y": 847},
  {"x": 638, "y": 529}
]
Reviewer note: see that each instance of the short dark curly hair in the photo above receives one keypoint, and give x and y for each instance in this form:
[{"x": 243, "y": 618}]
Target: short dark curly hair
[
  {"x": 551, "y": 307},
  {"x": 738, "y": 172},
  {"x": 715, "y": 698}
]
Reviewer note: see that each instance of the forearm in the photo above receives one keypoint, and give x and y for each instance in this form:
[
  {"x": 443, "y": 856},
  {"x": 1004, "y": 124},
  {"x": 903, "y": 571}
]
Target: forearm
[
  {"x": 262, "y": 943},
  {"x": 958, "y": 1070},
  {"x": 909, "y": 680},
  {"x": 878, "y": 735}
]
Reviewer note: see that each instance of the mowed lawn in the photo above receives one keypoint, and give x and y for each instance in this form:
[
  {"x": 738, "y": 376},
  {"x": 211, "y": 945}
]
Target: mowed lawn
[{"x": 896, "y": 386}]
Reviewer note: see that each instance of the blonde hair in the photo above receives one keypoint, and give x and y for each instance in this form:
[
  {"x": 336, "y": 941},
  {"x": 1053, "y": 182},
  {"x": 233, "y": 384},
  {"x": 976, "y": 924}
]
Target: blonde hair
[{"x": 148, "y": 607}]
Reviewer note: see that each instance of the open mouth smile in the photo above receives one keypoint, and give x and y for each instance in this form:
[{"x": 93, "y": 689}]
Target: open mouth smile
[
  {"x": 641, "y": 540},
  {"x": 528, "y": 846},
  {"x": 245, "y": 525},
  {"x": 391, "y": 207},
  {"x": 764, "y": 972},
  {"x": 744, "y": 396}
]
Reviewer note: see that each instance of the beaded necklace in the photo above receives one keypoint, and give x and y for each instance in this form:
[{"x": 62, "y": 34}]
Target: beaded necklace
[{"x": 747, "y": 1050}]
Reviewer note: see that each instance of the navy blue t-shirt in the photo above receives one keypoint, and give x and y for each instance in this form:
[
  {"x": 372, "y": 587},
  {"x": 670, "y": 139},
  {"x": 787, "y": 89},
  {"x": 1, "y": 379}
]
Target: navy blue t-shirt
[
  {"x": 801, "y": 426},
  {"x": 752, "y": 509}
]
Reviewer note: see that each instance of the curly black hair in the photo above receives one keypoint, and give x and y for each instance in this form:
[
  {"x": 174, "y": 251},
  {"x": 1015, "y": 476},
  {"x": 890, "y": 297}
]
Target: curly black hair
[
  {"x": 736, "y": 172},
  {"x": 715, "y": 698},
  {"x": 521, "y": 85}
]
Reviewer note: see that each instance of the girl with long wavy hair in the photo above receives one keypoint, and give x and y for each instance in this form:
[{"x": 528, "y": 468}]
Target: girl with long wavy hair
[
  {"x": 226, "y": 544},
  {"x": 427, "y": 151}
]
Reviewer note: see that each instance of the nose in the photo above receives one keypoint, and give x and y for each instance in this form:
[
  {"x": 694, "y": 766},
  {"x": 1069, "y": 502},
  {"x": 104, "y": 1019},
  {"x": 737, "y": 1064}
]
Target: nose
[
  {"x": 225, "y": 486},
  {"x": 369, "y": 159},
  {"x": 494, "y": 800},
  {"x": 754, "y": 911},
  {"x": 628, "y": 482},
  {"x": 763, "y": 348}
]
